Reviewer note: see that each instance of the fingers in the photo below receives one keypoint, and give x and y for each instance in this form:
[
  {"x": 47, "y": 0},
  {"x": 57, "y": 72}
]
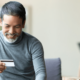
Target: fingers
[
  {"x": 5, "y": 67},
  {"x": 2, "y": 64},
  {"x": 2, "y": 67},
  {"x": 1, "y": 71}
]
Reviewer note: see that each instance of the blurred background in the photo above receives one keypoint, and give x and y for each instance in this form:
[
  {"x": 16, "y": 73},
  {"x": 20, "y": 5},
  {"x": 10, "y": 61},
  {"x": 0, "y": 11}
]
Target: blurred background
[{"x": 56, "y": 23}]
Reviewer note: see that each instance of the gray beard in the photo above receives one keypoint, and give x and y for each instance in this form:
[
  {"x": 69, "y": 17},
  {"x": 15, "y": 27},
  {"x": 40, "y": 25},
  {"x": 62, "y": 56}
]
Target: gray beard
[{"x": 10, "y": 40}]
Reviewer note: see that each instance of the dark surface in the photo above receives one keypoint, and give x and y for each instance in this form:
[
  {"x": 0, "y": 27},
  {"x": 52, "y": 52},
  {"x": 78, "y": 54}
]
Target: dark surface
[{"x": 53, "y": 69}]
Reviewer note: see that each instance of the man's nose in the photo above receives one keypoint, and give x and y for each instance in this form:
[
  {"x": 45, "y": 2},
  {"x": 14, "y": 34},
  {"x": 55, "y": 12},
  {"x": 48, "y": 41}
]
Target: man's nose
[{"x": 11, "y": 30}]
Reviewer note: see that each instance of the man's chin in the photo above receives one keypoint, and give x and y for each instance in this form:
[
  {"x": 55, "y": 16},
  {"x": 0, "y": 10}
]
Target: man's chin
[{"x": 10, "y": 40}]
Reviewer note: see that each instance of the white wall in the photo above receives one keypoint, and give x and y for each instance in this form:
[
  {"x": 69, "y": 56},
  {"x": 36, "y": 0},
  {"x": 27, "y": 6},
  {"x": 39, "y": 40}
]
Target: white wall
[{"x": 56, "y": 23}]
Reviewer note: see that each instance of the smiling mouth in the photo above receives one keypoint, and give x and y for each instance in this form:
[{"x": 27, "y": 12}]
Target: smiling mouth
[{"x": 10, "y": 36}]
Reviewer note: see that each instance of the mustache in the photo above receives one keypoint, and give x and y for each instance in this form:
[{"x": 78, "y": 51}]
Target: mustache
[{"x": 15, "y": 34}]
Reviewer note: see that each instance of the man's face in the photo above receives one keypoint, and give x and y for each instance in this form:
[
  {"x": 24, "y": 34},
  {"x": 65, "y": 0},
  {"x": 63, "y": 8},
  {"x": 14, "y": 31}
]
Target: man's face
[{"x": 12, "y": 26}]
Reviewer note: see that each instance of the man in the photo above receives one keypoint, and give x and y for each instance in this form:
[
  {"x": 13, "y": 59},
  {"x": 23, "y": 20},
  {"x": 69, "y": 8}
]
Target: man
[{"x": 25, "y": 50}]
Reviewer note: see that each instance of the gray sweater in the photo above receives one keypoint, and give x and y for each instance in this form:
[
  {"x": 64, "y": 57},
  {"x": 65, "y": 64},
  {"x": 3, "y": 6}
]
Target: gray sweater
[{"x": 27, "y": 53}]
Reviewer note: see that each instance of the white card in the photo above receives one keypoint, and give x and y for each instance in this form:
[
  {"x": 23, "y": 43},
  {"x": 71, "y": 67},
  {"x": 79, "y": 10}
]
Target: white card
[{"x": 8, "y": 63}]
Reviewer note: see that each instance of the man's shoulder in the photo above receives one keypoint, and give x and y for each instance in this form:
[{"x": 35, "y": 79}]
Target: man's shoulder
[{"x": 30, "y": 37}]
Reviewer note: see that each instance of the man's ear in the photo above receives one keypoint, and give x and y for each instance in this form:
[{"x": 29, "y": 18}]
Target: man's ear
[
  {"x": 24, "y": 24},
  {"x": 0, "y": 22}
]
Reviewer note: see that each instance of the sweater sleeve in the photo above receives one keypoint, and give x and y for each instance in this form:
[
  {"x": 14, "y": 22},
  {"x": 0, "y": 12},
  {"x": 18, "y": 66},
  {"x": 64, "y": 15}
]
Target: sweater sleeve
[{"x": 38, "y": 60}]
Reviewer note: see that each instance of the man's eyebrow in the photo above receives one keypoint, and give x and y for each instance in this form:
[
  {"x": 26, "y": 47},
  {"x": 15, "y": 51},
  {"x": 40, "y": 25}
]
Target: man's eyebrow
[
  {"x": 7, "y": 24},
  {"x": 15, "y": 25},
  {"x": 18, "y": 25}
]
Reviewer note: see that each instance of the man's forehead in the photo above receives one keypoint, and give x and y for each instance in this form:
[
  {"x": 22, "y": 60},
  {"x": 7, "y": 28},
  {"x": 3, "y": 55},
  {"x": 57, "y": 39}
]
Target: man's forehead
[
  {"x": 10, "y": 16},
  {"x": 10, "y": 19}
]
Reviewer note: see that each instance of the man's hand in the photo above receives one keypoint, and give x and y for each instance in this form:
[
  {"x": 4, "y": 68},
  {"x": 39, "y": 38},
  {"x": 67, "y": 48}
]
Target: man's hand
[{"x": 2, "y": 67}]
